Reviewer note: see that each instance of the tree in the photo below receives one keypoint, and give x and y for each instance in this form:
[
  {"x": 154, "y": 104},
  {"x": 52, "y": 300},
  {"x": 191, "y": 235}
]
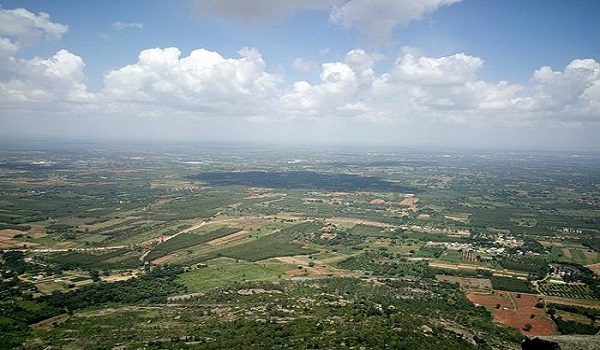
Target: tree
[{"x": 95, "y": 275}]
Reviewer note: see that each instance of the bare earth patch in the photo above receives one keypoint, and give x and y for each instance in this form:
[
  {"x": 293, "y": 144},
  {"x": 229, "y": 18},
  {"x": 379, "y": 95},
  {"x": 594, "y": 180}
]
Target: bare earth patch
[
  {"x": 468, "y": 283},
  {"x": 228, "y": 239},
  {"x": 551, "y": 244},
  {"x": 410, "y": 202},
  {"x": 164, "y": 259},
  {"x": 121, "y": 277},
  {"x": 595, "y": 268},
  {"x": 7, "y": 241},
  {"x": 340, "y": 220},
  {"x": 9, "y": 233},
  {"x": 516, "y": 310},
  {"x": 328, "y": 236},
  {"x": 463, "y": 219},
  {"x": 294, "y": 260},
  {"x": 316, "y": 271},
  {"x": 49, "y": 323},
  {"x": 490, "y": 300}
]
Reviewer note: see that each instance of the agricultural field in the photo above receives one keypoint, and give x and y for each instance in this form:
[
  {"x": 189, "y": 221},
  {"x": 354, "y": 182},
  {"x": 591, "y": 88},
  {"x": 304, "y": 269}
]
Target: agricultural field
[
  {"x": 517, "y": 310},
  {"x": 230, "y": 235},
  {"x": 567, "y": 291}
]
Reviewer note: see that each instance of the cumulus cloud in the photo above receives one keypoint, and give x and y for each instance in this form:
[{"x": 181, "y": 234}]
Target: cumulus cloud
[
  {"x": 450, "y": 70},
  {"x": 417, "y": 91},
  {"x": 256, "y": 10},
  {"x": 575, "y": 89},
  {"x": 31, "y": 82},
  {"x": 339, "y": 91},
  {"x": 377, "y": 18},
  {"x": 23, "y": 28},
  {"x": 431, "y": 90},
  {"x": 203, "y": 82},
  {"x": 58, "y": 78}
]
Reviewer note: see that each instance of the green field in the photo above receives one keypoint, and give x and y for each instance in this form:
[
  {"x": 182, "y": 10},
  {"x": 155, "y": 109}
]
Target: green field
[
  {"x": 567, "y": 291},
  {"x": 223, "y": 271},
  {"x": 104, "y": 238}
]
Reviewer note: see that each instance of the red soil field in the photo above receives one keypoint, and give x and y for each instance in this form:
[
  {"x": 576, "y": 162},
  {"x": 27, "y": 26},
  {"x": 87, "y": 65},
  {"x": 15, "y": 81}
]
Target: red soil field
[
  {"x": 490, "y": 300},
  {"x": 519, "y": 317}
]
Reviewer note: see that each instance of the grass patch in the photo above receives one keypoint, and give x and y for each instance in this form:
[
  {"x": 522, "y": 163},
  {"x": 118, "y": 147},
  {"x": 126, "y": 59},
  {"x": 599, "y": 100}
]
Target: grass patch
[
  {"x": 451, "y": 256},
  {"x": 264, "y": 248},
  {"x": 369, "y": 231},
  {"x": 223, "y": 271}
]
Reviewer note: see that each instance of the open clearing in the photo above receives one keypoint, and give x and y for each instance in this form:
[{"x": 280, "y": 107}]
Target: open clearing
[
  {"x": 341, "y": 220},
  {"x": 223, "y": 271},
  {"x": 595, "y": 268},
  {"x": 516, "y": 310},
  {"x": 228, "y": 239},
  {"x": 467, "y": 282}
]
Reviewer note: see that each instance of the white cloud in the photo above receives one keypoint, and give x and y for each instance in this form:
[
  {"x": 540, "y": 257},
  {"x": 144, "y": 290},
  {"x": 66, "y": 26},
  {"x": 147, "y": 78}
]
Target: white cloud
[
  {"x": 450, "y": 70},
  {"x": 417, "y": 93},
  {"x": 573, "y": 90},
  {"x": 125, "y": 25},
  {"x": 20, "y": 28},
  {"x": 59, "y": 78},
  {"x": 8, "y": 50},
  {"x": 377, "y": 18},
  {"x": 256, "y": 10},
  {"x": 33, "y": 83},
  {"x": 447, "y": 90},
  {"x": 24, "y": 28},
  {"x": 341, "y": 84},
  {"x": 203, "y": 82}
]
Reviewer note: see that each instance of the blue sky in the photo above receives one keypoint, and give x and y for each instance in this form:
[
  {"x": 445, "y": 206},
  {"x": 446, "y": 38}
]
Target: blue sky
[{"x": 470, "y": 73}]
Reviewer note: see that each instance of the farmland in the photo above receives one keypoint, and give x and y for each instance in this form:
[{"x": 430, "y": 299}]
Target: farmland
[{"x": 201, "y": 225}]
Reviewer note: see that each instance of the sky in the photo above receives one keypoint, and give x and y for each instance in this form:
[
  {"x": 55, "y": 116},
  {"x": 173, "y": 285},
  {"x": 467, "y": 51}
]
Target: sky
[{"x": 508, "y": 74}]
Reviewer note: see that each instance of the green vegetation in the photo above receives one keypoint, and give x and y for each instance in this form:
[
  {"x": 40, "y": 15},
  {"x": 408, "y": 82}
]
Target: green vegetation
[
  {"x": 153, "y": 287},
  {"x": 592, "y": 314},
  {"x": 584, "y": 325},
  {"x": 221, "y": 272},
  {"x": 572, "y": 327},
  {"x": 114, "y": 259},
  {"x": 369, "y": 231},
  {"x": 384, "y": 264},
  {"x": 296, "y": 315},
  {"x": 99, "y": 247},
  {"x": 186, "y": 240},
  {"x": 273, "y": 245},
  {"x": 536, "y": 267},
  {"x": 14, "y": 227},
  {"x": 510, "y": 284},
  {"x": 567, "y": 291}
]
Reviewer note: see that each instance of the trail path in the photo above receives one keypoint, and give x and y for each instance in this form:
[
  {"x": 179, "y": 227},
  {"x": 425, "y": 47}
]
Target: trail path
[{"x": 190, "y": 229}]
